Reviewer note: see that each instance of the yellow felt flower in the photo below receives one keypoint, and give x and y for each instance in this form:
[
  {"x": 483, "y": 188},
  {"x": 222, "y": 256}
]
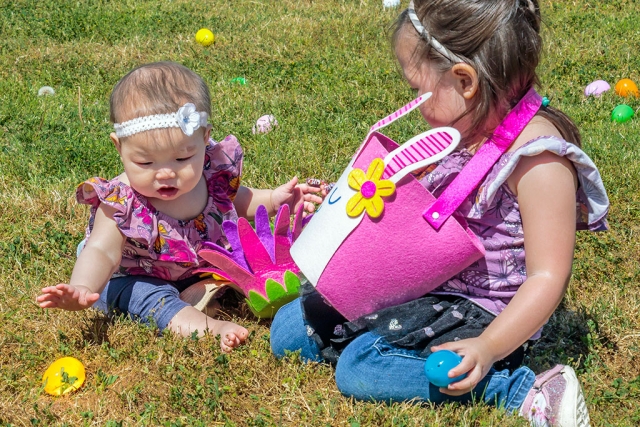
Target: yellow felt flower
[{"x": 371, "y": 189}]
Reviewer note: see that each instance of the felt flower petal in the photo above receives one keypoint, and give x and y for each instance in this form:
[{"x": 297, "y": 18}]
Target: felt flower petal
[
  {"x": 385, "y": 188},
  {"x": 356, "y": 205},
  {"x": 375, "y": 206},
  {"x": 356, "y": 178},
  {"x": 376, "y": 168}
]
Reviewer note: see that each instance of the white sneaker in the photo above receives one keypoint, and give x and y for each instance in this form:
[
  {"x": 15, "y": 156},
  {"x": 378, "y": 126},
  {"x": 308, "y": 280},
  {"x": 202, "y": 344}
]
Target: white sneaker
[{"x": 556, "y": 399}]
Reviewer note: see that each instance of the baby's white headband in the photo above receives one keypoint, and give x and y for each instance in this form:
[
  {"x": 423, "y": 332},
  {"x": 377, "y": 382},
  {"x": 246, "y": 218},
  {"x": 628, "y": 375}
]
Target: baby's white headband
[
  {"x": 429, "y": 38},
  {"x": 186, "y": 118}
]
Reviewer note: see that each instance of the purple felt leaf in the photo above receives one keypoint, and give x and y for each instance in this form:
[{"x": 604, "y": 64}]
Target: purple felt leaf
[
  {"x": 263, "y": 230},
  {"x": 298, "y": 223},
  {"x": 234, "y": 272},
  {"x": 230, "y": 229},
  {"x": 211, "y": 270}
]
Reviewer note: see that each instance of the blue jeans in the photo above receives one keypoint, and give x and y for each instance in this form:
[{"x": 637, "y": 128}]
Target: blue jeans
[
  {"x": 370, "y": 368},
  {"x": 149, "y": 300}
]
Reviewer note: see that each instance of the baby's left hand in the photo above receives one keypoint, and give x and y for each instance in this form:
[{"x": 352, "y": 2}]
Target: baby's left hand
[
  {"x": 477, "y": 359},
  {"x": 294, "y": 194}
]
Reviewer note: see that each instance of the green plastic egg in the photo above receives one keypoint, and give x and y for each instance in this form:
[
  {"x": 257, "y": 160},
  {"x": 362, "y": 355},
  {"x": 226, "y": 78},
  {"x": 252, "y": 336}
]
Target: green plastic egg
[{"x": 622, "y": 113}]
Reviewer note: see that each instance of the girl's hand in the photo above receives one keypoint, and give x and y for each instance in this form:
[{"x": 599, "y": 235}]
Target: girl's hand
[
  {"x": 67, "y": 297},
  {"x": 294, "y": 195},
  {"x": 477, "y": 359}
]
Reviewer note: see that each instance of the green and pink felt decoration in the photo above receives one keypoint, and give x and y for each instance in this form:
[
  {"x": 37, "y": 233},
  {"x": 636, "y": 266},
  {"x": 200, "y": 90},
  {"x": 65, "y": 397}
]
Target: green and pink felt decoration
[{"x": 259, "y": 264}]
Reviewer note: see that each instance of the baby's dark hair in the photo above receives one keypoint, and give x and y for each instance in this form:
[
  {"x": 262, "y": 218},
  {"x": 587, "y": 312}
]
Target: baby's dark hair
[
  {"x": 157, "y": 88},
  {"x": 500, "y": 39}
]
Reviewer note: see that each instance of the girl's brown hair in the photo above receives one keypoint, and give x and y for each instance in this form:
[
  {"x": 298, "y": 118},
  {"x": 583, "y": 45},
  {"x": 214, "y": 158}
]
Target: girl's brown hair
[{"x": 500, "y": 39}]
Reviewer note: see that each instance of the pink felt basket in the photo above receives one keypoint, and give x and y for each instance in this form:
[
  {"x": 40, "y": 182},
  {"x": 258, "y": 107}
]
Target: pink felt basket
[
  {"x": 399, "y": 256},
  {"x": 417, "y": 243}
]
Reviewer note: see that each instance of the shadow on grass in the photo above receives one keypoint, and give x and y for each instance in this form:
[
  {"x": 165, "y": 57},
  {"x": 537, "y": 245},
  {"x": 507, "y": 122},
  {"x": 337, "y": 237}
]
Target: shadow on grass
[
  {"x": 566, "y": 339},
  {"x": 95, "y": 327}
]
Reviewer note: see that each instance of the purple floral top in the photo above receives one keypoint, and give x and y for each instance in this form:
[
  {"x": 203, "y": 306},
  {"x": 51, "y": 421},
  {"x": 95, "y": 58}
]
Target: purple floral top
[
  {"x": 156, "y": 244},
  {"x": 493, "y": 214}
]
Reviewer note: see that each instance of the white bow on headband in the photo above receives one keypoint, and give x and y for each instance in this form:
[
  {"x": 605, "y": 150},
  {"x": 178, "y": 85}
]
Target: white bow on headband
[{"x": 186, "y": 118}]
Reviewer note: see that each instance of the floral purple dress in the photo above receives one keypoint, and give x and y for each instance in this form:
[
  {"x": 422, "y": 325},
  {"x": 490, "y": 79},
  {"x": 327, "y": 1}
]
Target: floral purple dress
[
  {"x": 493, "y": 215},
  {"x": 156, "y": 244}
]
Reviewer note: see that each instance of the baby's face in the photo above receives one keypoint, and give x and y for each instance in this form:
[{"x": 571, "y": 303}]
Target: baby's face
[{"x": 164, "y": 164}]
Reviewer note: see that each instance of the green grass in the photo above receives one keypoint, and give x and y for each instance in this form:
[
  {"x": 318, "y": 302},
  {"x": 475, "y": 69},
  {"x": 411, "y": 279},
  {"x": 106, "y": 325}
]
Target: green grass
[{"x": 325, "y": 70}]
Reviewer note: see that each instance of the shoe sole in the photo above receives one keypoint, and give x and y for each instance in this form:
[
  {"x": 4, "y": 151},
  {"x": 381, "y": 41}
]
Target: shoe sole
[{"x": 574, "y": 412}]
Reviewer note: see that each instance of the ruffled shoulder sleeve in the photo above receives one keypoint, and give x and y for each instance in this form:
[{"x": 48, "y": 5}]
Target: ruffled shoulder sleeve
[
  {"x": 223, "y": 169},
  {"x": 116, "y": 194},
  {"x": 96, "y": 191},
  {"x": 592, "y": 199}
]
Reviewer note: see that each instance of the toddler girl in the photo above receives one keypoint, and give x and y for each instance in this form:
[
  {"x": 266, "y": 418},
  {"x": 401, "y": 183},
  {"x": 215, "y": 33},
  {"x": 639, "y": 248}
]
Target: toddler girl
[
  {"x": 147, "y": 224},
  {"x": 478, "y": 58}
]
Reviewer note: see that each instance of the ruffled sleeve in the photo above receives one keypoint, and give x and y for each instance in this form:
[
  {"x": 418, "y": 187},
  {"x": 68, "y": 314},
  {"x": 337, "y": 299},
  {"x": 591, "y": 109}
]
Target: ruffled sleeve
[
  {"x": 222, "y": 170},
  {"x": 592, "y": 201},
  {"x": 96, "y": 191}
]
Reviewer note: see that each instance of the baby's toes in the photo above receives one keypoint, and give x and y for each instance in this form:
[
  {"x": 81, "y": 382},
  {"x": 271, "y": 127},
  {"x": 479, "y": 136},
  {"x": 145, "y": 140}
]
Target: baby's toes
[
  {"x": 229, "y": 339},
  {"x": 242, "y": 334}
]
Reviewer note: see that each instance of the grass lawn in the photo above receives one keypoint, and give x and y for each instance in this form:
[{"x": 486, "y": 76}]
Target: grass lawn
[{"x": 325, "y": 70}]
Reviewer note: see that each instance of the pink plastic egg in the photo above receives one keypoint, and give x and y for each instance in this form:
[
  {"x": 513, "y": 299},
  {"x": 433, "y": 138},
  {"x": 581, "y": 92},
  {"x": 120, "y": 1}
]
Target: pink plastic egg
[
  {"x": 596, "y": 88},
  {"x": 265, "y": 124}
]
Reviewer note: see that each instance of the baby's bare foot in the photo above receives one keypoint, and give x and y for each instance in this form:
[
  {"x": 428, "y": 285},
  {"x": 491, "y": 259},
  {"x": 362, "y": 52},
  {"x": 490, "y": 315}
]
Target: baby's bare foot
[
  {"x": 231, "y": 335},
  {"x": 190, "y": 320}
]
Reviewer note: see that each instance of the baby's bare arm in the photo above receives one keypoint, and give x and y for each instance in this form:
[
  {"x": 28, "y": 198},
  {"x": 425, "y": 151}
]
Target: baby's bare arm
[
  {"x": 293, "y": 194},
  {"x": 97, "y": 261}
]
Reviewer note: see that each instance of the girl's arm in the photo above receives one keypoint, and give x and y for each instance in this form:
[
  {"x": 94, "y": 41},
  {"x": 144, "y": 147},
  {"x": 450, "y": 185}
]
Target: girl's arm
[
  {"x": 96, "y": 263},
  {"x": 546, "y": 188},
  {"x": 293, "y": 194}
]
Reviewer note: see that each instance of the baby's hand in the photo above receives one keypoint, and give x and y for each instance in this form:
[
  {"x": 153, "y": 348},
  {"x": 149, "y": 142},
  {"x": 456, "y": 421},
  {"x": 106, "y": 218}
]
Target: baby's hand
[
  {"x": 294, "y": 195},
  {"x": 67, "y": 297},
  {"x": 477, "y": 360}
]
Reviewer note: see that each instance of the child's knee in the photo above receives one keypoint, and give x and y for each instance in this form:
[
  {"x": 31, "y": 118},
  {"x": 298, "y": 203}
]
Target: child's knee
[
  {"x": 356, "y": 369},
  {"x": 287, "y": 324},
  {"x": 289, "y": 332},
  {"x": 352, "y": 381}
]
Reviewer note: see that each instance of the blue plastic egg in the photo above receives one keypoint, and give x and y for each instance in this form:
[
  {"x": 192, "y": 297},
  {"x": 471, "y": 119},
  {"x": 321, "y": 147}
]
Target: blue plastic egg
[{"x": 439, "y": 364}]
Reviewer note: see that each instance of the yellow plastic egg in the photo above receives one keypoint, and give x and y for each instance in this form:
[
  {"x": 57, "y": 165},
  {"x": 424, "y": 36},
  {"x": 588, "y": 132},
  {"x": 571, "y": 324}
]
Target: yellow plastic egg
[
  {"x": 627, "y": 87},
  {"x": 63, "y": 376},
  {"x": 205, "y": 37}
]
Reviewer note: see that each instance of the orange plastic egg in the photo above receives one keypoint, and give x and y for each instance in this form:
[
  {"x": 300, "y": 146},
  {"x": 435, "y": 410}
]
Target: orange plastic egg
[
  {"x": 627, "y": 87},
  {"x": 63, "y": 376}
]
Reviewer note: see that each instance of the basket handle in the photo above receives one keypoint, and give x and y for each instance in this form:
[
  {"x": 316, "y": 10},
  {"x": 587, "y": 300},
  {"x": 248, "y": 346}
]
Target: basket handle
[{"x": 480, "y": 164}]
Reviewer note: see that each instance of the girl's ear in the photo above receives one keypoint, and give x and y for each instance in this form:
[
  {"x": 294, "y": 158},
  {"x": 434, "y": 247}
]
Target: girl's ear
[
  {"x": 467, "y": 79},
  {"x": 207, "y": 133},
  {"x": 116, "y": 141}
]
